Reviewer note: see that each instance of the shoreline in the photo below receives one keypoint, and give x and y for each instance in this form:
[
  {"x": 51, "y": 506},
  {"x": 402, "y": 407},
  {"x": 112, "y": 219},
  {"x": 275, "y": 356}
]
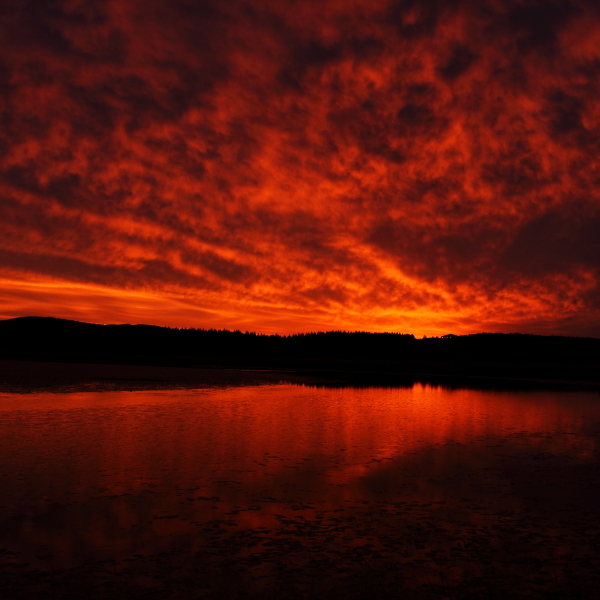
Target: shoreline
[{"x": 34, "y": 374}]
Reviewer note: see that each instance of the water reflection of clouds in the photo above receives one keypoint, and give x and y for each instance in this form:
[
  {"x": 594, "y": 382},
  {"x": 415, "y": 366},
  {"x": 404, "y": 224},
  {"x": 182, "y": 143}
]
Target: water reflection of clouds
[{"x": 280, "y": 474}]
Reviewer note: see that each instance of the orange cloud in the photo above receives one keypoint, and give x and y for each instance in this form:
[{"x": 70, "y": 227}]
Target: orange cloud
[{"x": 414, "y": 166}]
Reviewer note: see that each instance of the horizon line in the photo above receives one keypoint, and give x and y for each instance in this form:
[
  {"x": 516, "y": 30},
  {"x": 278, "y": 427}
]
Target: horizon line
[{"x": 247, "y": 332}]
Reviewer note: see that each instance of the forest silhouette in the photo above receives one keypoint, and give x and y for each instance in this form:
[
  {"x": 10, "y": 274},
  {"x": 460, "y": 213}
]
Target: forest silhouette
[{"x": 347, "y": 354}]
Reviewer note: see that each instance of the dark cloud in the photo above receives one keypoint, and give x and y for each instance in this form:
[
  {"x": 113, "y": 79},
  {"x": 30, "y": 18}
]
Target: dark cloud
[
  {"x": 536, "y": 25},
  {"x": 566, "y": 113},
  {"x": 459, "y": 61},
  {"x": 556, "y": 242},
  {"x": 415, "y": 19},
  {"x": 307, "y": 55}
]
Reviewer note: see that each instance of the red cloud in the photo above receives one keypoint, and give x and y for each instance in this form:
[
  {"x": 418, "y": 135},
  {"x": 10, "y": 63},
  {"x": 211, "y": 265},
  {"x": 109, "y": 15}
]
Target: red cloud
[{"x": 418, "y": 166}]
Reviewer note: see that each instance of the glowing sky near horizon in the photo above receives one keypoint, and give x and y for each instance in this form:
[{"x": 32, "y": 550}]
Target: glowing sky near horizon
[{"x": 417, "y": 166}]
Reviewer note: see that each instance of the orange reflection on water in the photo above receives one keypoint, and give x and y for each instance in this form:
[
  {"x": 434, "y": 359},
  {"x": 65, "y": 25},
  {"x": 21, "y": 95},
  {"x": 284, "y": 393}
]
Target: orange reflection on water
[{"x": 274, "y": 474}]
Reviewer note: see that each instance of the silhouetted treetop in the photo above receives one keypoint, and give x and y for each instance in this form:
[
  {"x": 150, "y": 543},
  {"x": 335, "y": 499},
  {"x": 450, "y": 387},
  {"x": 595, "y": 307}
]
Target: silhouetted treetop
[{"x": 50, "y": 337}]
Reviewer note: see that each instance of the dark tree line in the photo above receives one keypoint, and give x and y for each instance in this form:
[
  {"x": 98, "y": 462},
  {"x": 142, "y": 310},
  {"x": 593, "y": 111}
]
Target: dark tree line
[{"x": 45, "y": 334}]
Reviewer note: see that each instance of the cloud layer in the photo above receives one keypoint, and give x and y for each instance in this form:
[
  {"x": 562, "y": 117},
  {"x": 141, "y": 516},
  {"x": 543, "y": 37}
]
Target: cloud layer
[{"x": 423, "y": 166}]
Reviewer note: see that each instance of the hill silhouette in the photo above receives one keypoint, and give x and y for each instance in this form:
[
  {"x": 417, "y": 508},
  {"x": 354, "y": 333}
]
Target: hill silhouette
[{"x": 484, "y": 354}]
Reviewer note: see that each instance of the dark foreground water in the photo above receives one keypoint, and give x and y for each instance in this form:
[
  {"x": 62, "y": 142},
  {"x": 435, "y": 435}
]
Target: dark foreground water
[{"x": 289, "y": 491}]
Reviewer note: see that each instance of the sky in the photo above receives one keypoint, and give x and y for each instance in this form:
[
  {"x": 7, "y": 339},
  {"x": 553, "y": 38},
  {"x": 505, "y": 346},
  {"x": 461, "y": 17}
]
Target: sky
[{"x": 287, "y": 166}]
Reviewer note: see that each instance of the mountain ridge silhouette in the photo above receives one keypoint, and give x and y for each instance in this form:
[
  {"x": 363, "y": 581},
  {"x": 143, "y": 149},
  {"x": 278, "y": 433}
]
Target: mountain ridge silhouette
[{"x": 485, "y": 354}]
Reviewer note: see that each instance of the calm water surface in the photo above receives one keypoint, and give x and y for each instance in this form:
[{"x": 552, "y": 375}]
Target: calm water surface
[{"x": 289, "y": 491}]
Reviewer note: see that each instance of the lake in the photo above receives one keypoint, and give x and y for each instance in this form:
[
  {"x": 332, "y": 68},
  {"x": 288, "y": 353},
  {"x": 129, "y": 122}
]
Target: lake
[{"x": 300, "y": 491}]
